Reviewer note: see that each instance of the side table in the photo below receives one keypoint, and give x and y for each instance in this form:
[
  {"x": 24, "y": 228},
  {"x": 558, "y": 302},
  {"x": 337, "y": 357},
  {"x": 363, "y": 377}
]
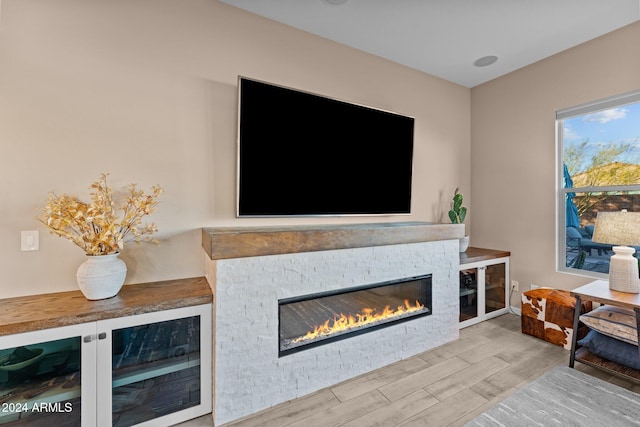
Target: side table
[{"x": 599, "y": 292}]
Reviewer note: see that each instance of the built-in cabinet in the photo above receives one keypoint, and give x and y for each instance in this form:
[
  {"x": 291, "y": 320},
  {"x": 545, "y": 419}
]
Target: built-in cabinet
[
  {"x": 121, "y": 369},
  {"x": 484, "y": 279}
]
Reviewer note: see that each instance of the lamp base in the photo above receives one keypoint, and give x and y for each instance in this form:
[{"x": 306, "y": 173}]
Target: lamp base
[{"x": 623, "y": 270}]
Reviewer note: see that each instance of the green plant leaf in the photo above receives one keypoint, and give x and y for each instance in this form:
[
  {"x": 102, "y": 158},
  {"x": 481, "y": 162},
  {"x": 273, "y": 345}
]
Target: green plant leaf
[
  {"x": 462, "y": 214},
  {"x": 457, "y": 202}
]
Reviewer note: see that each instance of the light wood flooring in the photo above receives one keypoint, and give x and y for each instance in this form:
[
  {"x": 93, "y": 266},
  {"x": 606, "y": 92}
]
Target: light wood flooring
[{"x": 446, "y": 386}]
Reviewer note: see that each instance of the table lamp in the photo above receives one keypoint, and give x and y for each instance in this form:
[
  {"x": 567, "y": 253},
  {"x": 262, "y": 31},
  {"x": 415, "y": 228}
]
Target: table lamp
[{"x": 622, "y": 229}]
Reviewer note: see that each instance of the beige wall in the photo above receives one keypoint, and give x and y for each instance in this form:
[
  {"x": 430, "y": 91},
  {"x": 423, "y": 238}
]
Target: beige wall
[
  {"x": 514, "y": 150},
  {"x": 146, "y": 90}
]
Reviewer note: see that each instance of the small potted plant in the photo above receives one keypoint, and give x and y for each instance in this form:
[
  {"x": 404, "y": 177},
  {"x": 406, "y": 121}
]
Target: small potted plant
[
  {"x": 457, "y": 214},
  {"x": 101, "y": 232}
]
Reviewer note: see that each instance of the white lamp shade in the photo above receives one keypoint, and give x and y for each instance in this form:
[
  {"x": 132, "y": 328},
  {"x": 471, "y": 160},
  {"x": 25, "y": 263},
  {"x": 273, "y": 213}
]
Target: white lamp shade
[{"x": 617, "y": 228}]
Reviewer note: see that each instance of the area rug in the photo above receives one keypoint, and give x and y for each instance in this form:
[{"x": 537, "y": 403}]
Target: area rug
[{"x": 565, "y": 397}]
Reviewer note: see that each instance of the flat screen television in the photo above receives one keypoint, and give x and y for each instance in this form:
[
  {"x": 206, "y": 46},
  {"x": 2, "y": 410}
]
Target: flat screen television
[{"x": 302, "y": 154}]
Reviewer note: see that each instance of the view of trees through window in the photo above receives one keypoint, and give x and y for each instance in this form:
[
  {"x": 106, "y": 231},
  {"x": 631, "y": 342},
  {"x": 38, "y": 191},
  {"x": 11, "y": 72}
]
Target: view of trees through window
[{"x": 600, "y": 166}]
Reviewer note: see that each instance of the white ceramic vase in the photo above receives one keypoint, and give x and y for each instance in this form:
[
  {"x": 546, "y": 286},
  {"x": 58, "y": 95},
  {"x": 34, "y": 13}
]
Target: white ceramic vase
[
  {"x": 101, "y": 276},
  {"x": 464, "y": 243}
]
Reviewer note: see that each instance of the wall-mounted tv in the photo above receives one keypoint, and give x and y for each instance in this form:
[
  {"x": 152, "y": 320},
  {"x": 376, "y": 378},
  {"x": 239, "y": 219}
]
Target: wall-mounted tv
[{"x": 302, "y": 154}]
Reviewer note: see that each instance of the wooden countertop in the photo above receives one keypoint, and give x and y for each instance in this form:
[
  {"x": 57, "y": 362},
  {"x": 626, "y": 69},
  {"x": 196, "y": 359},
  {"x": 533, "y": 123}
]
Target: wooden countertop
[
  {"x": 36, "y": 312},
  {"x": 480, "y": 254}
]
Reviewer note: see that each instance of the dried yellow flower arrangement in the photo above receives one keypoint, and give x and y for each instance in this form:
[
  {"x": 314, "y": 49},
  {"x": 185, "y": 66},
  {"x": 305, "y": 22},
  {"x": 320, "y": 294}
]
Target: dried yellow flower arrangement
[{"x": 96, "y": 227}]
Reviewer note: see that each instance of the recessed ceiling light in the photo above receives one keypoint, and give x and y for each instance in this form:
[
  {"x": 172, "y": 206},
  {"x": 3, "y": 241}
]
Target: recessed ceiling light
[
  {"x": 334, "y": 2},
  {"x": 485, "y": 60}
]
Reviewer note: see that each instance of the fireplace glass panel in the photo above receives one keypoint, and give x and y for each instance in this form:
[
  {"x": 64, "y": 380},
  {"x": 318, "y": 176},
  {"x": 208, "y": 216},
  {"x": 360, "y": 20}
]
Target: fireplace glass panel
[{"x": 317, "y": 319}]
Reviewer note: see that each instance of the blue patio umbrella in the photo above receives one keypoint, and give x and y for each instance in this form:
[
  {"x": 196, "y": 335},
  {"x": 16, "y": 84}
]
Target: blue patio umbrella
[{"x": 571, "y": 216}]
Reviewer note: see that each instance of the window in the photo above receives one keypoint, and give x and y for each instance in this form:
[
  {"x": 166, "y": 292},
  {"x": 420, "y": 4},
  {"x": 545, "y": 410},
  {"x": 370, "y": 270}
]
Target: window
[{"x": 598, "y": 171}]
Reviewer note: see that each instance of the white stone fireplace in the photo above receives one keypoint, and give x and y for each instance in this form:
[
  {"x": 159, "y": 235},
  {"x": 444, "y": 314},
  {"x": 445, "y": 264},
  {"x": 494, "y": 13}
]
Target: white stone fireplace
[{"x": 249, "y": 374}]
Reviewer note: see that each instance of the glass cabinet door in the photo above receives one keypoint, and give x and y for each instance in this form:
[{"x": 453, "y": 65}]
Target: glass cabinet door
[
  {"x": 495, "y": 287},
  {"x": 156, "y": 369},
  {"x": 41, "y": 379},
  {"x": 468, "y": 294}
]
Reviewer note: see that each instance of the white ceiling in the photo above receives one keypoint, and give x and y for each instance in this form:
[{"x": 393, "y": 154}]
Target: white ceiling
[{"x": 445, "y": 37}]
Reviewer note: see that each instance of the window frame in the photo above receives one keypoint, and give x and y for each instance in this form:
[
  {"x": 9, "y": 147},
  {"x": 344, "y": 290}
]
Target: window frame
[{"x": 616, "y": 101}]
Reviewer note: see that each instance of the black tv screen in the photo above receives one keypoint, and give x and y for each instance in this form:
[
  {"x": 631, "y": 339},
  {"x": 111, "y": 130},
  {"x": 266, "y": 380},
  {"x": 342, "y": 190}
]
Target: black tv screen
[{"x": 301, "y": 154}]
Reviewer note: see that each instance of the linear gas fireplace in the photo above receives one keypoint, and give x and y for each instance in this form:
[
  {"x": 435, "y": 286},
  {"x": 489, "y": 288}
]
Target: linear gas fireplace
[{"x": 311, "y": 320}]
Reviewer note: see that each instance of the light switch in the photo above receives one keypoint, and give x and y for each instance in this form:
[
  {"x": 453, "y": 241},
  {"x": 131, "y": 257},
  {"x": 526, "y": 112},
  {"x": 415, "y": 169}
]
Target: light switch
[{"x": 30, "y": 240}]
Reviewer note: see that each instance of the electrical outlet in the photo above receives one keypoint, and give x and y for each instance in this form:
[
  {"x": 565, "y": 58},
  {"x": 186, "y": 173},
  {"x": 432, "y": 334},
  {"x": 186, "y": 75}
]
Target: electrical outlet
[
  {"x": 514, "y": 285},
  {"x": 29, "y": 240}
]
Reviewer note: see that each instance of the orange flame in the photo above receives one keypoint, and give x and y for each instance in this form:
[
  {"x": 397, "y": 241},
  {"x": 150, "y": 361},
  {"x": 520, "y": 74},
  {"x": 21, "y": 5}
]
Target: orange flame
[{"x": 366, "y": 316}]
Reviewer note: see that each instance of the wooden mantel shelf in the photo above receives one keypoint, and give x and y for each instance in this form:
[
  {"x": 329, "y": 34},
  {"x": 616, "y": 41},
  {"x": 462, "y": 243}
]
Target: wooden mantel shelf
[
  {"x": 31, "y": 313},
  {"x": 239, "y": 242}
]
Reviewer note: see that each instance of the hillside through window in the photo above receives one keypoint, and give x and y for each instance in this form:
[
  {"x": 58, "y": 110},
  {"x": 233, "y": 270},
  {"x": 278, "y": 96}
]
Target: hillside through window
[{"x": 599, "y": 171}]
